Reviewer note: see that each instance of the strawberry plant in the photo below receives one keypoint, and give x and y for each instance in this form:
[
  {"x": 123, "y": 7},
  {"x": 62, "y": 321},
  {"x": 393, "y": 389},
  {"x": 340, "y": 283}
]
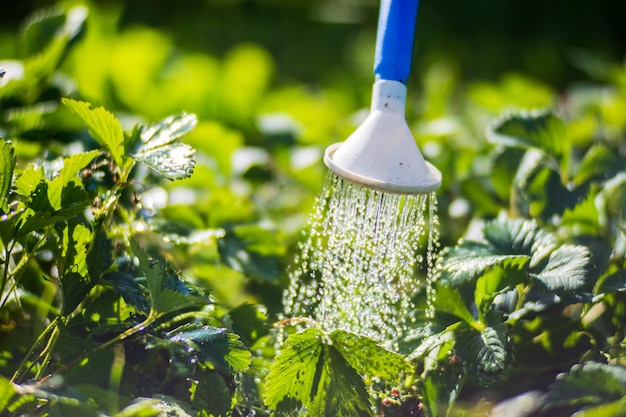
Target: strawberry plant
[{"x": 146, "y": 231}]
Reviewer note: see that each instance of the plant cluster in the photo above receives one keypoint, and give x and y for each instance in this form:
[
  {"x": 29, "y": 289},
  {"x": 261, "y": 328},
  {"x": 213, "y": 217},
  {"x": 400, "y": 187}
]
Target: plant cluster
[{"x": 137, "y": 282}]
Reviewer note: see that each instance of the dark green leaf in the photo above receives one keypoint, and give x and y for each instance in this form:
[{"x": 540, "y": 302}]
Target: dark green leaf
[
  {"x": 7, "y": 164},
  {"x": 516, "y": 236},
  {"x": 485, "y": 354},
  {"x": 249, "y": 322},
  {"x": 102, "y": 125},
  {"x": 212, "y": 344},
  {"x": 211, "y": 396},
  {"x": 542, "y": 130},
  {"x": 127, "y": 287},
  {"x": 368, "y": 358},
  {"x": 586, "y": 384},
  {"x": 469, "y": 260}
]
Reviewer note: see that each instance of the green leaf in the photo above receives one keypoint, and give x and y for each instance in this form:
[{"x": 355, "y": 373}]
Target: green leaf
[
  {"x": 211, "y": 395},
  {"x": 170, "y": 160},
  {"x": 369, "y": 358},
  {"x": 485, "y": 354},
  {"x": 212, "y": 344},
  {"x": 167, "y": 130},
  {"x": 7, "y": 391},
  {"x": 542, "y": 130},
  {"x": 466, "y": 262},
  {"x": 295, "y": 369},
  {"x": 586, "y": 384},
  {"x": 448, "y": 300},
  {"x": 76, "y": 282},
  {"x": 566, "y": 270},
  {"x": 173, "y": 162},
  {"x": 127, "y": 287},
  {"x": 612, "y": 409},
  {"x": 7, "y": 164},
  {"x": 600, "y": 162},
  {"x": 516, "y": 236},
  {"x": 102, "y": 126},
  {"x": 313, "y": 373},
  {"x": 156, "y": 407}
]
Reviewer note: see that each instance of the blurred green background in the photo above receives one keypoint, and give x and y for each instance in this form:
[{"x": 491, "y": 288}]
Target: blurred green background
[
  {"x": 320, "y": 40},
  {"x": 274, "y": 82}
]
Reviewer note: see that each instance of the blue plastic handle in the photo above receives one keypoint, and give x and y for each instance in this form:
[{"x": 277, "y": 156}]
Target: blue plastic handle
[{"x": 394, "y": 40}]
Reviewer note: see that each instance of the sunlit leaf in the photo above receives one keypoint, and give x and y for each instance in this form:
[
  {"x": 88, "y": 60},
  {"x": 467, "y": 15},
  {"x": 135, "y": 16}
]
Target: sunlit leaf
[
  {"x": 175, "y": 161},
  {"x": 485, "y": 354},
  {"x": 296, "y": 370},
  {"x": 7, "y": 391},
  {"x": 170, "y": 160},
  {"x": 102, "y": 125},
  {"x": 7, "y": 164},
  {"x": 311, "y": 372},
  {"x": 599, "y": 163},
  {"x": 566, "y": 270},
  {"x": 448, "y": 300},
  {"x": 367, "y": 357},
  {"x": 586, "y": 384},
  {"x": 167, "y": 130},
  {"x": 76, "y": 282}
]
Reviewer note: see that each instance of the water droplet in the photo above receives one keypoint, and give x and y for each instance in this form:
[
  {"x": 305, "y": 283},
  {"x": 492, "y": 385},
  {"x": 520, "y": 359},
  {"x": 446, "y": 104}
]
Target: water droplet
[{"x": 356, "y": 267}]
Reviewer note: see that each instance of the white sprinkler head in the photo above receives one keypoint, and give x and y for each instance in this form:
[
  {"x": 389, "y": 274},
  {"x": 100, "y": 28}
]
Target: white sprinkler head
[{"x": 382, "y": 153}]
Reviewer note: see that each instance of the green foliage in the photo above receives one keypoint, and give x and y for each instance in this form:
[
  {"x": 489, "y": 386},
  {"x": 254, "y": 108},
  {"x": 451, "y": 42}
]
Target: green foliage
[
  {"x": 130, "y": 287},
  {"x": 322, "y": 373}
]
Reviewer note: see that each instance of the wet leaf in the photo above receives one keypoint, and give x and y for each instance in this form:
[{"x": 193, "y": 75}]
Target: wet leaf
[
  {"x": 170, "y": 160},
  {"x": 313, "y": 373},
  {"x": 367, "y": 357},
  {"x": 102, "y": 126},
  {"x": 173, "y": 162},
  {"x": 167, "y": 130}
]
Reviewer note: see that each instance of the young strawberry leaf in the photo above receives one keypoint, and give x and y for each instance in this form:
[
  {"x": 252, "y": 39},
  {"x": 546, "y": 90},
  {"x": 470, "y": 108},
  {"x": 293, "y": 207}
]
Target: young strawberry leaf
[
  {"x": 7, "y": 164},
  {"x": 367, "y": 357},
  {"x": 170, "y": 160},
  {"x": 311, "y": 372},
  {"x": 448, "y": 300},
  {"x": 102, "y": 126},
  {"x": 587, "y": 384}
]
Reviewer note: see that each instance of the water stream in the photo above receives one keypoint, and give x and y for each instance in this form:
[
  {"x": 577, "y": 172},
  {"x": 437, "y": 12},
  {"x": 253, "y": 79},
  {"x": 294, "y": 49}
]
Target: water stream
[{"x": 356, "y": 268}]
